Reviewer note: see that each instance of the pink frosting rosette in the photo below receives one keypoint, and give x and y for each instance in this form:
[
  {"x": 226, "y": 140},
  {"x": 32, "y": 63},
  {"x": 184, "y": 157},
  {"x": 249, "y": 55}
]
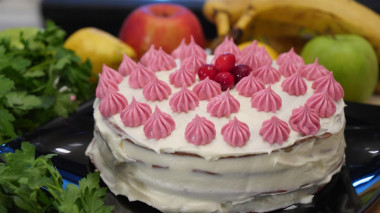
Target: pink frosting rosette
[
  {"x": 135, "y": 114},
  {"x": 179, "y": 52},
  {"x": 290, "y": 56},
  {"x": 159, "y": 125},
  {"x": 266, "y": 100},
  {"x": 252, "y": 47},
  {"x": 249, "y": 85},
  {"x": 200, "y": 131},
  {"x": 183, "y": 100},
  {"x": 183, "y": 76},
  {"x": 140, "y": 76},
  {"x": 156, "y": 90},
  {"x": 227, "y": 46},
  {"x": 111, "y": 74},
  {"x": 223, "y": 105},
  {"x": 305, "y": 121},
  {"x": 267, "y": 73},
  {"x": 105, "y": 85},
  {"x": 294, "y": 85},
  {"x": 161, "y": 61},
  {"x": 329, "y": 84},
  {"x": 194, "y": 49},
  {"x": 313, "y": 71},
  {"x": 126, "y": 66},
  {"x": 275, "y": 130},
  {"x": 148, "y": 55},
  {"x": 236, "y": 133},
  {"x": 112, "y": 103},
  {"x": 207, "y": 89},
  {"x": 288, "y": 68},
  {"x": 250, "y": 59},
  {"x": 193, "y": 63},
  {"x": 322, "y": 103}
]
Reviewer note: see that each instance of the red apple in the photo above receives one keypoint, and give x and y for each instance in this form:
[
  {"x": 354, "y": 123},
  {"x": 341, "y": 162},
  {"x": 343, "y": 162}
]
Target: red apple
[{"x": 161, "y": 24}]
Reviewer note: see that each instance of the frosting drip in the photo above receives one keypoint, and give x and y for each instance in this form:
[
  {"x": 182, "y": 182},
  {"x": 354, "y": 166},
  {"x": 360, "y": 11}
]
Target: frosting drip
[
  {"x": 322, "y": 103},
  {"x": 161, "y": 61},
  {"x": 313, "y": 71},
  {"x": 159, "y": 125},
  {"x": 227, "y": 46},
  {"x": 183, "y": 76},
  {"x": 207, "y": 89},
  {"x": 236, "y": 133},
  {"x": 112, "y": 103},
  {"x": 294, "y": 85},
  {"x": 179, "y": 52},
  {"x": 156, "y": 90},
  {"x": 275, "y": 130},
  {"x": 148, "y": 55},
  {"x": 304, "y": 121},
  {"x": 183, "y": 100},
  {"x": 140, "y": 76},
  {"x": 223, "y": 105},
  {"x": 127, "y": 65},
  {"x": 111, "y": 74},
  {"x": 105, "y": 86},
  {"x": 266, "y": 100},
  {"x": 200, "y": 131},
  {"x": 267, "y": 73},
  {"x": 135, "y": 114},
  {"x": 329, "y": 84},
  {"x": 291, "y": 56},
  {"x": 249, "y": 85},
  {"x": 194, "y": 49}
]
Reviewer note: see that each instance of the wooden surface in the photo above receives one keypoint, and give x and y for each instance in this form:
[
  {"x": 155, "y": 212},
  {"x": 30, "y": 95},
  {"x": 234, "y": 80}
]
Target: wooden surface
[{"x": 375, "y": 208}]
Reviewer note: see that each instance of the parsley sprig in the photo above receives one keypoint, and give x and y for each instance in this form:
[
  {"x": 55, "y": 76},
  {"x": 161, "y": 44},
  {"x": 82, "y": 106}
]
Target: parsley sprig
[
  {"x": 39, "y": 80},
  {"x": 29, "y": 184}
]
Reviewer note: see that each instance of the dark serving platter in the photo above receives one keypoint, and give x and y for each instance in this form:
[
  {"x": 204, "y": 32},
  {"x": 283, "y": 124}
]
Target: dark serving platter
[{"x": 354, "y": 189}]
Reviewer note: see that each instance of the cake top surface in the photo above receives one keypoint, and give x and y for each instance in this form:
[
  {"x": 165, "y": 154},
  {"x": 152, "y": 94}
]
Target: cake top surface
[{"x": 171, "y": 110}]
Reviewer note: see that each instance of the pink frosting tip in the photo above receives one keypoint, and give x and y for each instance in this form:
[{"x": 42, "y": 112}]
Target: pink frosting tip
[
  {"x": 140, "y": 76},
  {"x": 227, "y": 46},
  {"x": 249, "y": 85},
  {"x": 185, "y": 75},
  {"x": 179, "y": 52},
  {"x": 252, "y": 47},
  {"x": 183, "y": 100},
  {"x": 194, "y": 49},
  {"x": 267, "y": 73},
  {"x": 127, "y": 65},
  {"x": 313, "y": 71},
  {"x": 207, "y": 89},
  {"x": 111, "y": 74},
  {"x": 148, "y": 55},
  {"x": 156, "y": 90},
  {"x": 193, "y": 63},
  {"x": 105, "y": 85},
  {"x": 250, "y": 59},
  {"x": 329, "y": 84},
  {"x": 161, "y": 61},
  {"x": 223, "y": 105},
  {"x": 112, "y": 103},
  {"x": 322, "y": 103},
  {"x": 266, "y": 100},
  {"x": 135, "y": 114},
  {"x": 294, "y": 85},
  {"x": 291, "y": 56},
  {"x": 159, "y": 125},
  {"x": 288, "y": 68},
  {"x": 200, "y": 131},
  {"x": 304, "y": 121},
  {"x": 236, "y": 133},
  {"x": 275, "y": 130}
]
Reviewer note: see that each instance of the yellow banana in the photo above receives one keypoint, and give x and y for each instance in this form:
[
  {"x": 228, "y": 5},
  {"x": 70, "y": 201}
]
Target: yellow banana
[
  {"x": 224, "y": 13},
  {"x": 320, "y": 16}
]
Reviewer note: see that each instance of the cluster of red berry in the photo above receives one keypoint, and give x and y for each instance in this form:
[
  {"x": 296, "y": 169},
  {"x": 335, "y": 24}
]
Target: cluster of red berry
[{"x": 224, "y": 71}]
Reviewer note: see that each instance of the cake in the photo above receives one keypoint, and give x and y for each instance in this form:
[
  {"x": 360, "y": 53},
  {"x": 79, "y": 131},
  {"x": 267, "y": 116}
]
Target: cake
[{"x": 180, "y": 144}]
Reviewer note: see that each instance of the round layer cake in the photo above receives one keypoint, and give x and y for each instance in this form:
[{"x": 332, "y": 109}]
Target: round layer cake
[{"x": 180, "y": 144}]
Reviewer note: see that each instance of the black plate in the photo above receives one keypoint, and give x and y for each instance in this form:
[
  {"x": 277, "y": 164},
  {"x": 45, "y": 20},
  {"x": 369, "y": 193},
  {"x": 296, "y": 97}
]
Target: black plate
[{"x": 351, "y": 190}]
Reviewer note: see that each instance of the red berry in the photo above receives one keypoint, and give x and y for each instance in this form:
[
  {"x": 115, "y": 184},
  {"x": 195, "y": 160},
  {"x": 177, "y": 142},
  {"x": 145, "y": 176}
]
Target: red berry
[
  {"x": 225, "y": 62},
  {"x": 240, "y": 71},
  {"x": 225, "y": 79},
  {"x": 207, "y": 70}
]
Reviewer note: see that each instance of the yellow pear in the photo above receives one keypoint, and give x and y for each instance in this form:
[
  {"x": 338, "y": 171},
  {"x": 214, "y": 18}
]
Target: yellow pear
[{"x": 99, "y": 47}]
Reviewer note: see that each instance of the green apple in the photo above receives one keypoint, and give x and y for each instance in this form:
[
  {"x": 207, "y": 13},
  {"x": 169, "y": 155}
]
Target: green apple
[{"x": 352, "y": 60}]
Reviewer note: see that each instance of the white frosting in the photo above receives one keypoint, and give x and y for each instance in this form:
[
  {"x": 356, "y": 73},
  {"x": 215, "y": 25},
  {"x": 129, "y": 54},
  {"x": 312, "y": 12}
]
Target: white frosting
[
  {"x": 268, "y": 178},
  {"x": 176, "y": 142}
]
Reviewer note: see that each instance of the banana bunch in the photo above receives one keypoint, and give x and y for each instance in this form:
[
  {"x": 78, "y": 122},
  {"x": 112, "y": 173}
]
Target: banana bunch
[{"x": 279, "y": 21}]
